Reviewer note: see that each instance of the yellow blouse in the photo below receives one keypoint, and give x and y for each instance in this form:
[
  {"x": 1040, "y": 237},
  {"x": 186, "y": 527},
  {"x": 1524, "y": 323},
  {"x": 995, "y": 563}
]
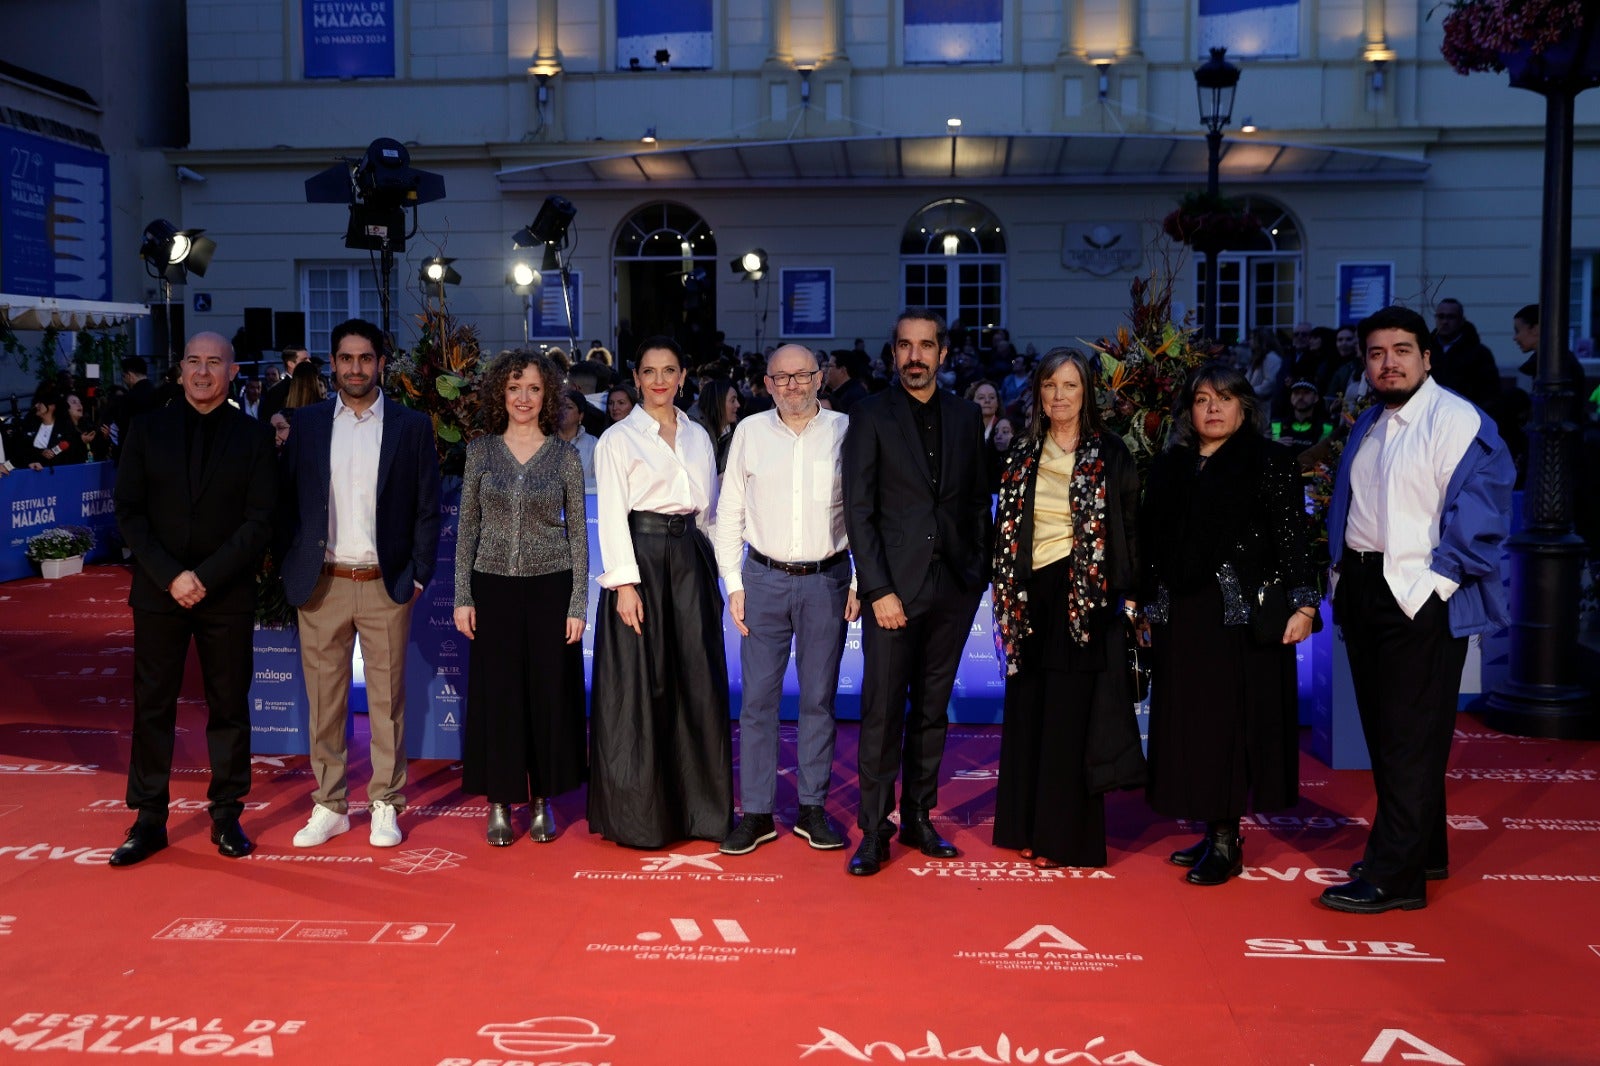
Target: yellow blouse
[{"x": 1052, "y": 505}]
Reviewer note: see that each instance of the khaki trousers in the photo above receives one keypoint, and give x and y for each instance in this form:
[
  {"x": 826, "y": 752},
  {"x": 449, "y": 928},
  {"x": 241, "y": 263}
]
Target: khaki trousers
[{"x": 339, "y": 611}]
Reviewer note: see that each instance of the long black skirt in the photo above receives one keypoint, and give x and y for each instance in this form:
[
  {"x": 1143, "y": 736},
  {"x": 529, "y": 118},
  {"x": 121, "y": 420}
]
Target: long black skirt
[
  {"x": 525, "y": 732},
  {"x": 660, "y": 747},
  {"x": 1224, "y": 716},
  {"x": 1042, "y": 799}
]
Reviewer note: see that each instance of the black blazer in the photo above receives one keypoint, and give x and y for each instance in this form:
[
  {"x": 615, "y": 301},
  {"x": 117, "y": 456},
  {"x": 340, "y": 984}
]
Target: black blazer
[
  {"x": 219, "y": 533},
  {"x": 1246, "y": 507},
  {"x": 893, "y": 516}
]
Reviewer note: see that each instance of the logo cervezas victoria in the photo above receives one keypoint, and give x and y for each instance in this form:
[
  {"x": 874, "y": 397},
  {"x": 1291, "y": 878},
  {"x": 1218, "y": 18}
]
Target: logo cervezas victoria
[
  {"x": 549, "y": 1039},
  {"x": 1046, "y": 947},
  {"x": 675, "y": 866},
  {"x": 146, "y": 1034}
]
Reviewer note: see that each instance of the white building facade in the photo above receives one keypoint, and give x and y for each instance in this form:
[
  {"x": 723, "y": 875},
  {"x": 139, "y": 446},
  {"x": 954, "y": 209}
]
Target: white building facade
[{"x": 819, "y": 131}]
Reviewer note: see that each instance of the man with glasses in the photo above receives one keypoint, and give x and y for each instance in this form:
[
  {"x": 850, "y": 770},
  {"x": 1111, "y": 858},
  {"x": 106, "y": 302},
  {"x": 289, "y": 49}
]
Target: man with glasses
[{"x": 775, "y": 542}]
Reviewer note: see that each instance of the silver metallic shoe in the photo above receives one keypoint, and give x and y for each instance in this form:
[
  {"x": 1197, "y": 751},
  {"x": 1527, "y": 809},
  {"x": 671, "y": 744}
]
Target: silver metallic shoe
[
  {"x": 543, "y": 829},
  {"x": 500, "y": 832}
]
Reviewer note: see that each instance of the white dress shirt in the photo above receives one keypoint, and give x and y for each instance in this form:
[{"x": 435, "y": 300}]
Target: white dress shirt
[
  {"x": 636, "y": 470},
  {"x": 585, "y": 442},
  {"x": 1398, "y": 482},
  {"x": 782, "y": 492},
  {"x": 353, "y": 483}
]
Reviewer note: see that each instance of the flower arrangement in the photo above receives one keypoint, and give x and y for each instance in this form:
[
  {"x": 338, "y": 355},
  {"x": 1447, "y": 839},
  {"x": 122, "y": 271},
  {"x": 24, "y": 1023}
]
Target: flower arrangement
[
  {"x": 1145, "y": 364},
  {"x": 60, "y": 542},
  {"x": 438, "y": 377},
  {"x": 1209, "y": 222},
  {"x": 1480, "y": 34}
]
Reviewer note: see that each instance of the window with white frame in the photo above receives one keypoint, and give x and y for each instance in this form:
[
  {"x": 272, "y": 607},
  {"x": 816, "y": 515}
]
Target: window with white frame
[
  {"x": 1259, "y": 286},
  {"x": 330, "y": 293}
]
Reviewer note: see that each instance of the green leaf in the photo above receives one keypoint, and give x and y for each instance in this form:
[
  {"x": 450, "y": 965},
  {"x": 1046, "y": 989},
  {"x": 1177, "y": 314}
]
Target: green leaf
[
  {"x": 449, "y": 433},
  {"x": 448, "y": 386}
]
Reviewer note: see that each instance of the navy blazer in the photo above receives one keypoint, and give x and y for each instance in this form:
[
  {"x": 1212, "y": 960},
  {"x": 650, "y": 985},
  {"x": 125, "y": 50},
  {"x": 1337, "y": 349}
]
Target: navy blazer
[
  {"x": 220, "y": 532},
  {"x": 894, "y": 516},
  {"x": 408, "y": 501}
]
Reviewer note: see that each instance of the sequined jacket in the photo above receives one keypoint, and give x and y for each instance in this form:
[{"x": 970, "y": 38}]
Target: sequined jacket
[
  {"x": 1239, "y": 520},
  {"x": 523, "y": 519}
]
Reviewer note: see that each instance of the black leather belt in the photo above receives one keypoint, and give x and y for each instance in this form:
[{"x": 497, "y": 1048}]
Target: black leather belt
[
  {"x": 798, "y": 569},
  {"x": 673, "y": 525},
  {"x": 1363, "y": 558}
]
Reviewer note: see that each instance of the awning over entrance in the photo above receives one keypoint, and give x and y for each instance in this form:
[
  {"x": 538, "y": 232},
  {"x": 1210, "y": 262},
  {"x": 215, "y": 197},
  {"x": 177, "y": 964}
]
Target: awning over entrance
[
  {"x": 47, "y": 312},
  {"x": 1019, "y": 159}
]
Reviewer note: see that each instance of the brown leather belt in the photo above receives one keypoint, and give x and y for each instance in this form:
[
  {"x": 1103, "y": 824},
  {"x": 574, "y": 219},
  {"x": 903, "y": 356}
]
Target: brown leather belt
[{"x": 353, "y": 573}]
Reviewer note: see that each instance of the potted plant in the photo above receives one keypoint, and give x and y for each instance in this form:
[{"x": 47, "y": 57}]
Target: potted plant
[
  {"x": 1538, "y": 42},
  {"x": 1207, "y": 222},
  {"x": 59, "y": 551}
]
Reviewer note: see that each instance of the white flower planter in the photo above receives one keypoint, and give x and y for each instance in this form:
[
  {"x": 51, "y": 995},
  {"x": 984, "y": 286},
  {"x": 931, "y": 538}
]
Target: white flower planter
[{"x": 52, "y": 568}]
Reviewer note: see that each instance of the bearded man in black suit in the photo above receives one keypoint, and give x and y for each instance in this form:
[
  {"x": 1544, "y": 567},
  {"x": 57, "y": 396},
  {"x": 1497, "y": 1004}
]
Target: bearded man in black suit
[
  {"x": 918, "y": 516},
  {"x": 194, "y": 501}
]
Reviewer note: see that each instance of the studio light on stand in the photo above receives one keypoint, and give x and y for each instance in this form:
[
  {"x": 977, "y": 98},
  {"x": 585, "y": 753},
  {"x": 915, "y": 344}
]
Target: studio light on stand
[
  {"x": 435, "y": 274},
  {"x": 752, "y": 266},
  {"x": 525, "y": 281},
  {"x": 378, "y": 187},
  {"x": 170, "y": 255},
  {"x": 550, "y": 229}
]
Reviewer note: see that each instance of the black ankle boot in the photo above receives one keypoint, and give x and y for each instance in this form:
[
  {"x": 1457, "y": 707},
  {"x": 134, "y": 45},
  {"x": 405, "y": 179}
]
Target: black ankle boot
[
  {"x": 1223, "y": 858},
  {"x": 1190, "y": 855}
]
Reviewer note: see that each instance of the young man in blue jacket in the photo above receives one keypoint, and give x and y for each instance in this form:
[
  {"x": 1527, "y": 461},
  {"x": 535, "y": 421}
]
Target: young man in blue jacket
[{"x": 1420, "y": 511}]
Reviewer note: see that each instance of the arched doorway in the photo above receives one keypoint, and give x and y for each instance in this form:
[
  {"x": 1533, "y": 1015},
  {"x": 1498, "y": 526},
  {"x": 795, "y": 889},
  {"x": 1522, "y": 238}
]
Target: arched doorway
[
  {"x": 665, "y": 259},
  {"x": 953, "y": 260}
]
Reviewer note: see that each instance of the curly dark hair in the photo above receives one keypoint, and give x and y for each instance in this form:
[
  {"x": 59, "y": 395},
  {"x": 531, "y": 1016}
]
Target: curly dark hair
[{"x": 509, "y": 365}]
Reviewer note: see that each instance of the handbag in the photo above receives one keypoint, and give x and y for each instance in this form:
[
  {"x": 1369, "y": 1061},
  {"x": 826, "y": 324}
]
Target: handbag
[
  {"x": 1271, "y": 615},
  {"x": 1138, "y": 668}
]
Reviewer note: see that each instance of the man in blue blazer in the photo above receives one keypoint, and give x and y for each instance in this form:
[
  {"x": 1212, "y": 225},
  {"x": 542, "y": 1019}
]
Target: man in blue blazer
[
  {"x": 917, "y": 509},
  {"x": 361, "y": 517}
]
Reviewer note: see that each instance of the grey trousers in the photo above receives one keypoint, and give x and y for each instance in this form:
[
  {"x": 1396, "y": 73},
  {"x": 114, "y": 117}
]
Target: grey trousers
[{"x": 780, "y": 609}]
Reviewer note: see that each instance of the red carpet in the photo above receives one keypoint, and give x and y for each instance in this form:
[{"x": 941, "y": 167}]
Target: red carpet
[{"x": 445, "y": 950}]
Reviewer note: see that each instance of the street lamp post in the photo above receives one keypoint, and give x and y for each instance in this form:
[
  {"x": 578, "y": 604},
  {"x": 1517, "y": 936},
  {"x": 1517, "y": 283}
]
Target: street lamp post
[{"x": 1215, "y": 81}]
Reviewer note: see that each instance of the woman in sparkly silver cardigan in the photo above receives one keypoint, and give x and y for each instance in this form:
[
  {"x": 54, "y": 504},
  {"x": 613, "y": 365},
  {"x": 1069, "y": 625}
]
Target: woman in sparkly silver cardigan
[{"x": 522, "y": 585}]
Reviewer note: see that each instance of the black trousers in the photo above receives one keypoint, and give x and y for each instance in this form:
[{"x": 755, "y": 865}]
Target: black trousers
[
  {"x": 1407, "y": 676},
  {"x": 160, "y": 648},
  {"x": 907, "y": 675}
]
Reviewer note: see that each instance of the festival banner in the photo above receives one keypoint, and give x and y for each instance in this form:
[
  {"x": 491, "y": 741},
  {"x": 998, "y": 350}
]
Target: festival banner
[
  {"x": 805, "y": 302},
  {"x": 348, "y": 38},
  {"x": 78, "y": 494},
  {"x": 55, "y": 219},
  {"x": 681, "y": 28},
  {"x": 953, "y": 31},
  {"x": 1253, "y": 29}
]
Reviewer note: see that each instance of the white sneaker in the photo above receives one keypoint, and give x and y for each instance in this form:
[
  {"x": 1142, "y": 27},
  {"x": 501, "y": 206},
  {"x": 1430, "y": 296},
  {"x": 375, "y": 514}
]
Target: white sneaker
[
  {"x": 385, "y": 833},
  {"x": 324, "y": 825}
]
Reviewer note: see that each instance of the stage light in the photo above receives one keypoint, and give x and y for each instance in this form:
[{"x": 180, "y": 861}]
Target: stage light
[
  {"x": 549, "y": 226},
  {"x": 752, "y": 265},
  {"x": 523, "y": 275},
  {"x": 379, "y": 186},
  {"x": 172, "y": 254},
  {"x": 436, "y": 273}
]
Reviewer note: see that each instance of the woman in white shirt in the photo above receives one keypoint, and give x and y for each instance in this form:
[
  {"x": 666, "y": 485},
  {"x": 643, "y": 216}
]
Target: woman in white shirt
[{"x": 660, "y": 751}]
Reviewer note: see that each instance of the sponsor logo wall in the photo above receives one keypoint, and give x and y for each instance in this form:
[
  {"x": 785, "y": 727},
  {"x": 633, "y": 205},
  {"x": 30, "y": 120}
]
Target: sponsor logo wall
[{"x": 34, "y": 501}]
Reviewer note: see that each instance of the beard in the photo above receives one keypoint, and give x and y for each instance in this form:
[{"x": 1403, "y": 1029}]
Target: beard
[
  {"x": 1397, "y": 397},
  {"x": 917, "y": 375}
]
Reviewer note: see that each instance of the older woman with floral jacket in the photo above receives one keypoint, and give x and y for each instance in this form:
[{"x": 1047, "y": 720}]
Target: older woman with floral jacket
[{"x": 1065, "y": 565}]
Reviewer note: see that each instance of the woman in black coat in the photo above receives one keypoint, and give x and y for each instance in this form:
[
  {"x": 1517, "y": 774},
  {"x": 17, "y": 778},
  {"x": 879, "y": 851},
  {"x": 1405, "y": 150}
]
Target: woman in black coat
[
  {"x": 1223, "y": 518},
  {"x": 1065, "y": 568}
]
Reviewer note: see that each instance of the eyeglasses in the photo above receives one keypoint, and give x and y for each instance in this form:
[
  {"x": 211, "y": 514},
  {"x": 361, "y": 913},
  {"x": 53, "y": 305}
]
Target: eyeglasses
[{"x": 799, "y": 377}]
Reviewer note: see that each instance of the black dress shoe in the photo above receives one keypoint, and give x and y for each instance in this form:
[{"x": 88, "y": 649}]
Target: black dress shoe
[
  {"x": 917, "y": 831},
  {"x": 1429, "y": 873},
  {"x": 869, "y": 856},
  {"x": 143, "y": 842},
  {"x": 1364, "y": 897},
  {"x": 230, "y": 839},
  {"x": 1223, "y": 857},
  {"x": 1190, "y": 855}
]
